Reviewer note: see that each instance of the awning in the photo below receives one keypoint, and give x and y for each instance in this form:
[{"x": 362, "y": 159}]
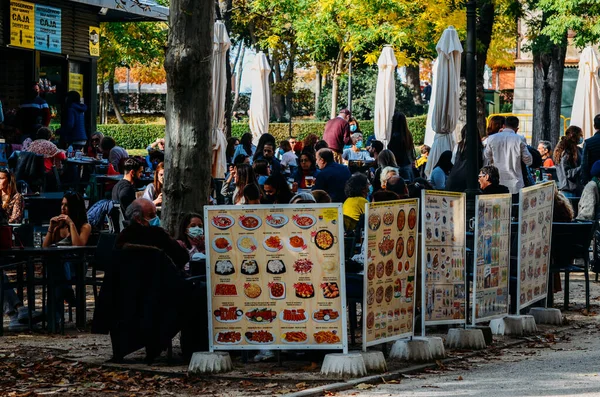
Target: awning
[{"x": 128, "y": 10}]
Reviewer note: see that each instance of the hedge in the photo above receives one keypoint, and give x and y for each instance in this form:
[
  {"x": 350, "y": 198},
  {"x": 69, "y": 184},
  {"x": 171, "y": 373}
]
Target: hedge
[{"x": 137, "y": 136}]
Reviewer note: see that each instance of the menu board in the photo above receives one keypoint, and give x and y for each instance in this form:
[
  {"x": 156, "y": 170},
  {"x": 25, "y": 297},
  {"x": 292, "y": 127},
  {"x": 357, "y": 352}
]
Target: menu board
[
  {"x": 536, "y": 205},
  {"x": 275, "y": 277},
  {"x": 443, "y": 258},
  {"x": 390, "y": 262},
  {"x": 35, "y": 26},
  {"x": 492, "y": 256}
]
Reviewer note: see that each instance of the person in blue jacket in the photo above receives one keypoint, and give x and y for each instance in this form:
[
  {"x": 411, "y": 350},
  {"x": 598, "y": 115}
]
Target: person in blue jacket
[
  {"x": 332, "y": 176},
  {"x": 73, "y": 131}
]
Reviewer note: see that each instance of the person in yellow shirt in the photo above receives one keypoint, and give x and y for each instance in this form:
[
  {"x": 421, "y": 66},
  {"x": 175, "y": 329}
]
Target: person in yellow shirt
[
  {"x": 356, "y": 190},
  {"x": 422, "y": 160}
]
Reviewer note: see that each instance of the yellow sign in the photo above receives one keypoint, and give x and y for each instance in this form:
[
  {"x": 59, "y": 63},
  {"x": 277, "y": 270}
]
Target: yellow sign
[
  {"x": 22, "y": 24},
  {"x": 76, "y": 83},
  {"x": 94, "y": 40}
]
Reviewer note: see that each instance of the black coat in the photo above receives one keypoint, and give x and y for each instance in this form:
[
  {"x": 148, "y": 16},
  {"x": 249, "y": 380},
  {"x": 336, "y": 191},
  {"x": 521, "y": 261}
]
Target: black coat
[{"x": 591, "y": 154}]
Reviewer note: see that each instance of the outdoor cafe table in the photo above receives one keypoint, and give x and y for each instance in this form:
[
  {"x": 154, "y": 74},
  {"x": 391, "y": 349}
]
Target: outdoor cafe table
[
  {"x": 43, "y": 206},
  {"x": 53, "y": 259}
]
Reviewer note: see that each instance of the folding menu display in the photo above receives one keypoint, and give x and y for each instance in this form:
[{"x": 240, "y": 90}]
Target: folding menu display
[{"x": 275, "y": 277}]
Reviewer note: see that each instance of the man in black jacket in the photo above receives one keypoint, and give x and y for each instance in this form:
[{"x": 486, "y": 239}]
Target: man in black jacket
[
  {"x": 591, "y": 152},
  {"x": 489, "y": 181}
]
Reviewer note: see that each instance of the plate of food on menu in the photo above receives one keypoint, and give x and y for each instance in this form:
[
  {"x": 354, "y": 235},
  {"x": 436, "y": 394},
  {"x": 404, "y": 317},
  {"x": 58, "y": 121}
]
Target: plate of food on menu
[
  {"x": 261, "y": 315},
  {"x": 389, "y": 267},
  {"x": 304, "y": 290},
  {"x": 228, "y": 314},
  {"x": 296, "y": 243},
  {"x": 276, "y": 220},
  {"x": 386, "y": 245},
  {"x": 370, "y": 295},
  {"x": 388, "y": 218},
  {"x": 412, "y": 218},
  {"x": 222, "y": 221},
  {"x": 399, "y": 248},
  {"x": 374, "y": 221},
  {"x": 303, "y": 266},
  {"x": 330, "y": 290},
  {"x": 275, "y": 266},
  {"x": 294, "y": 337},
  {"x": 252, "y": 290},
  {"x": 324, "y": 239},
  {"x": 273, "y": 243},
  {"x": 225, "y": 290},
  {"x": 293, "y": 316},
  {"x": 222, "y": 244},
  {"x": 249, "y": 267},
  {"x": 250, "y": 222},
  {"x": 224, "y": 267},
  {"x": 327, "y": 337},
  {"x": 371, "y": 271},
  {"x": 410, "y": 246},
  {"x": 260, "y": 337},
  {"x": 304, "y": 221},
  {"x": 401, "y": 220},
  {"x": 276, "y": 290},
  {"x": 247, "y": 244},
  {"x": 325, "y": 315},
  {"x": 228, "y": 337}
]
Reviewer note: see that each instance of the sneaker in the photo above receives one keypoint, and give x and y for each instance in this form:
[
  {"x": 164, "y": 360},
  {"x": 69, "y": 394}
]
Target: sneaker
[
  {"x": 15, "y": 325},
  {"x": 264, "y": 355},
  {"x": 23, "y": 316}
]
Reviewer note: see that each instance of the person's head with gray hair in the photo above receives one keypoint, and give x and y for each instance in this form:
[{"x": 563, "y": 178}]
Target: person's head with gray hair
[
  {"x": 386, "y": 174},
  {"x": 142, "y": 211},
  {"x": 303, "y": 198},
  {"x": 356, "y": 137}
]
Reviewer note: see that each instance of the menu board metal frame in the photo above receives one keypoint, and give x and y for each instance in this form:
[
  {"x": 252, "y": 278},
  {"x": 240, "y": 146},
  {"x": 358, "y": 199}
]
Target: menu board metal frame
[
  {"x": 343, "y": 344},
  {"x": 461, "y": 220},
  {"x": 550, "y": 186},
  {"x": 401, "y": 205},
  {"x": 490, "y": 246}
]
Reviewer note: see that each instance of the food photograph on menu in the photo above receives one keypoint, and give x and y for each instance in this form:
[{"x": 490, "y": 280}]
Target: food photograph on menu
[
  {"x": 391, "y": 234},
  {"x": 535, "y": 229},
  {"x": 275, "y": 277},
  {"x": 492, "y": 256},
  {"x": 443, "y": 257}
]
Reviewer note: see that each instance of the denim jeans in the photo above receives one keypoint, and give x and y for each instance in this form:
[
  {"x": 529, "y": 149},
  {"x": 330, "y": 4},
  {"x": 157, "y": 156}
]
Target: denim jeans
[
  {"x": 11, "y": 300},
  {"x": 406, "y": 173}
]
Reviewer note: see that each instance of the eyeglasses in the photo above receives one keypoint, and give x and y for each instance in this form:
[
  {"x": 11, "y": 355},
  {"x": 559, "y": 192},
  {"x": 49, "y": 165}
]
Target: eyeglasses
[{"x": 482, "y": 175}]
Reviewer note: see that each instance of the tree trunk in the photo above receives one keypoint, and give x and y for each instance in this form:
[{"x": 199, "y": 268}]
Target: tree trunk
[
  {"x": 414, "y": 82},
  {"x": 335, "y": 76},
  {"x": 101, "y": 104},
  {"x": 289, "y": 83},
  {"x": 548, "y": 70},
  {"x": 277, "y": 89},
  {"x": 239, "y": 70},
  {"x": 188, "y": 142},
  {"x": 318, "y": 86},
  {"x": 485, "y": 24},
  {"x": 111, "y": 93},
  {"x": 225, "y": 11}
]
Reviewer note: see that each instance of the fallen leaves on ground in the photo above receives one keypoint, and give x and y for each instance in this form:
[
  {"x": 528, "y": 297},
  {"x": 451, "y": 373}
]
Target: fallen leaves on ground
[
  {"x": 459, "y": 378},
  {"x": 364, "y": 386}
]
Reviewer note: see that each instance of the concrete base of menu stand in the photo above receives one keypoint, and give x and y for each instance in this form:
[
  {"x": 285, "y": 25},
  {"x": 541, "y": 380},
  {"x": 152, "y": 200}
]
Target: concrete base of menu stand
[
  {"x": 513, "y": 325},
  {"x": 436, "y": 346},
  {"x": 339, "y": 365},
  {"x": 411, "y": 350},
  {"x": 460, "y": 338},
  {"x": 210, "y": 363},
  {"x": 374, "y": 361},
  {"x": 487, "y": 333},
  {"x": 549, "y": 316},
  {"x": 529, "y": 325}
]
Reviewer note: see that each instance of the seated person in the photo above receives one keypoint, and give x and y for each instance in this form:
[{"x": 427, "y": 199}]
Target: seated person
[
  {"x": 252, "y": 194},
  {"x": 590, "y": 197},
  {"x": 397, "y": 185},
  {"x": 321, "y": 196},
  {"x": 303, "y": 198},
  {"x": 289, "y": 160},
  {"x": 156, "y": 153},
  {"x": 157, "y": 146},
  {"x": 144, "y": 229},
  {"x": 356, "y": 152},
  {"x": 307, "y": 168},
  {"x": 13, "y": 204},
  {"x": 44, "y": 147},
  {"x": 153, "y": 191},
  {"x": 262, "y": 171},
  {"x": 357, "y": 190},
  {"x": 421, "y": 162},
  {"x": 440, "y": 172},
  {"x": 418, "y": 185},
  {"x": 386, "y": 174},
  {"x": 268, "y": 154},
  {"x": 124, "y": 191},
  {"x": 276, "y": 190},
  {"x": 191, "y": 235},
  {"x": 94, "y": 149},
  {"x": 115, "y": 154},
  {"x": 332, "y": 176},
  {"x": 489, "y": 181}
]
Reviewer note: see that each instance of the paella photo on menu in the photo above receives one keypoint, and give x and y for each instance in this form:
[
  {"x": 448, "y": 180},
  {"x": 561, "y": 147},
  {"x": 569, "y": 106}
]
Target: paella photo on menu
[
  {"x": 275, "y": 277},
  {"x": 443, "y": 259},
  {"x": 389, "y": 284}
]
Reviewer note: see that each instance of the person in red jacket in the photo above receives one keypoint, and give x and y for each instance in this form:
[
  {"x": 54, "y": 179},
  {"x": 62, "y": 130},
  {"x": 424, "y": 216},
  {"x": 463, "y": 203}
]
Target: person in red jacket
[{"x": 337, "y": 134}]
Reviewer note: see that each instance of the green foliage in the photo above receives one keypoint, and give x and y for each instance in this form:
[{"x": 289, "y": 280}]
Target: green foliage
[
  {"x": 133, "y": 136},
  {"x": 364, "y": 84},
  {"x": 579, "y": 16}
]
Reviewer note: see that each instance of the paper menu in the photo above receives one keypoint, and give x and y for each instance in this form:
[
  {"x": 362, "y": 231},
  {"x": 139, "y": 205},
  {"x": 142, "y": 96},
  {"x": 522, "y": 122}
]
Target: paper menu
[
  {"x": 391, "y": 234},
  {"x": 443, "y": 257},
  {"x": 275, "y": 277}
]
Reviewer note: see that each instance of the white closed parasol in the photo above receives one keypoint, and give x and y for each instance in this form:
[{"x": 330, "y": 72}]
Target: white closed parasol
[
  {"x": 260, "y": 101},
  {"x": 221, "y": 44},
  {"x": 586, "y": 104},
  {"x": 385, "y": 96}
]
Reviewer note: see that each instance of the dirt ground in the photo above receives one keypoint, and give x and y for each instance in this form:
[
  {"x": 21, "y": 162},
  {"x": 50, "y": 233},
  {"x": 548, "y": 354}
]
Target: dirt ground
[{"x": 76, "y": 363}]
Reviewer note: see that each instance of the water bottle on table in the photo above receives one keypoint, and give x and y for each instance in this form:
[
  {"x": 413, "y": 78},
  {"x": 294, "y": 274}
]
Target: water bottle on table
[{"x": 37, "y": 239}]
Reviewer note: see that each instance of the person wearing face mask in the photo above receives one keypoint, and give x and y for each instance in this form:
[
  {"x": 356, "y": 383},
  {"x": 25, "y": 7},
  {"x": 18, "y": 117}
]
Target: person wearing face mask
[
  {"x": 567, "y": 158},
  {"x": 153, "y": 191},
  {"x": 277, "y": 190},
  {"x": 191, "y": 235},
  {"x": 356, "y": 152},
  {"x": 124, "y": 190},
  {"x": 144, "y": 229}
]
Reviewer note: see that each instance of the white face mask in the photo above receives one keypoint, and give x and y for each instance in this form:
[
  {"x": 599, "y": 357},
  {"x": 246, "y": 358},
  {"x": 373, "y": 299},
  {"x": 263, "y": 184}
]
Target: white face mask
[{"x": 195, "y": 232}]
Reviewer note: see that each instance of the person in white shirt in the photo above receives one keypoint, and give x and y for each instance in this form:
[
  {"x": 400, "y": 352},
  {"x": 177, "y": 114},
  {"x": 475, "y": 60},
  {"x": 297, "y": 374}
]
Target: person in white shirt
[
  {"x": 506, "y": 150},
  {"x": 289, "y": 160}
]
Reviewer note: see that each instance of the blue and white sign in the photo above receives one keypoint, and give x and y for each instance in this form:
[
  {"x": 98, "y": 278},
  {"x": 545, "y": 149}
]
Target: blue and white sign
[{"x": 47, "y": 28}]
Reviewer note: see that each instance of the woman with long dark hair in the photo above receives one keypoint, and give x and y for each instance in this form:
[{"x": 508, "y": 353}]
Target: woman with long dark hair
[
  {"x": 232, "y": 144},
  {"x": 441, "y": 171},
  {"x": 71, "y": 227},
  {"x": 307, "y": 168},
  {"x": 244, "y": 175},
  {"x": 457, "y": 180},
  {"x": 245, "y": 147},
  {"x": 567, "y": 158},
  {"x": 309, "y": 143},
  {"x": 401, "y": 144},
  {"x": 385, "y": 159},
  {"x": 277, "y": 190},
  {"x": 190, "y": 234},
  {"x": 12, "y": 202}
]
